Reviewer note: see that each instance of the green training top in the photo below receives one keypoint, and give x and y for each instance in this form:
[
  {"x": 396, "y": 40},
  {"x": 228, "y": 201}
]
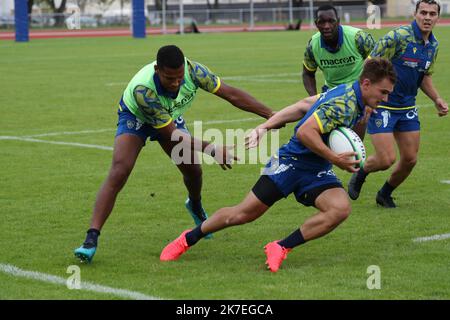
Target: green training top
[
  {"x": 343, "y": 65},
  {"x": 152, "y": 104}
]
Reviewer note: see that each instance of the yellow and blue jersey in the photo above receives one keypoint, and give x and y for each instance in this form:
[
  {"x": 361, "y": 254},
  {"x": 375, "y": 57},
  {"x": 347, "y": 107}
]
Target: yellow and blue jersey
[
  {"x": 340, "y": 106},
  {"x": 152, "y": 104},
  {"x": 412, "y": 59}
]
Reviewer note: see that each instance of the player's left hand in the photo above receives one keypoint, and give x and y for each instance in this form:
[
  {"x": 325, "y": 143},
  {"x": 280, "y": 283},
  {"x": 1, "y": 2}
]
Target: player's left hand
[
  {"x": 345, "y": 162},
  {"x": 441, "y": 106}
]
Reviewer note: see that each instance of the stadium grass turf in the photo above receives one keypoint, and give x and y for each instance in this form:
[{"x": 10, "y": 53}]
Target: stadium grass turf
[{"x": 47, "y": 191}]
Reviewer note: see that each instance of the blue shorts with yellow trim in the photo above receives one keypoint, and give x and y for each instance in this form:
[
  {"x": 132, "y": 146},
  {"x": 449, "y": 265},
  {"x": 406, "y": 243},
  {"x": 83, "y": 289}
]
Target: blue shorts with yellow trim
[
  {"x": 293, "y": 176},
  {"x": 388, "y": 120},
  {"x": 128, "y": 123}
]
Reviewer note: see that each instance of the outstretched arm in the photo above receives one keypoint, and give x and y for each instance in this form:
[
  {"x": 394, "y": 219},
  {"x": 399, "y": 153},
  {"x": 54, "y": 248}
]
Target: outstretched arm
[
  {"x": 243, "y": 100},
  {"x": 429, "y": 89},
  {"x": 289, "y": 114}
]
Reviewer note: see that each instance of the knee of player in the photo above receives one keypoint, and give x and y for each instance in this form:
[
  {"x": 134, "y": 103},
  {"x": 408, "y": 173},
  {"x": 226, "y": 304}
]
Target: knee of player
[
  {"x": 119, "y": 172},
  {"x": 193, "y": 171},
  {"x": 386, "y": 161},
  {"x": 340, "y": 212},
  {"x": 410, "y": 161}
]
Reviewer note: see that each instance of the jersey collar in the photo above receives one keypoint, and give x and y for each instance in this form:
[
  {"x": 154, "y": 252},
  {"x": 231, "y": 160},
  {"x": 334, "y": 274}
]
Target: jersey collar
[
  {"x": 418, "y": 33},
  {"x": 357, "y": 88},
  {"x": 340, "y": 41},
  {"x": 162, "y": 91}
]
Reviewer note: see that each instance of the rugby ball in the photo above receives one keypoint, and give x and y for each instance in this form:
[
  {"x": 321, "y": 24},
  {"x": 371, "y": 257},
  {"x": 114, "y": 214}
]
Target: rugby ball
[{"x": 344, "y": 139}]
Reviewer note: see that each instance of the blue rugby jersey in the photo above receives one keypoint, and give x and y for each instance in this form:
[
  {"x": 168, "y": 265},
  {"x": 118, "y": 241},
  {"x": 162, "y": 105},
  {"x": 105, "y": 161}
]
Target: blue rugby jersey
[
  {"x": 412, "y": 59},
  {"x": 340, "y": 106}
]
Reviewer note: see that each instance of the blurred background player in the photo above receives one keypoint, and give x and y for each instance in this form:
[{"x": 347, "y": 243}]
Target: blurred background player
[
  {"x": 303, "y": 166},
  {"x": 339, "y": 51},
  {"x": 152, "y": 106},
  {"x": 413, "y": 50}
]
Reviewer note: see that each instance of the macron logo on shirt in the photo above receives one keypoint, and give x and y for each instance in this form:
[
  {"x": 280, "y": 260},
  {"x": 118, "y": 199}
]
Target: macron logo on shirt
[{"x": 337, "y": 62}]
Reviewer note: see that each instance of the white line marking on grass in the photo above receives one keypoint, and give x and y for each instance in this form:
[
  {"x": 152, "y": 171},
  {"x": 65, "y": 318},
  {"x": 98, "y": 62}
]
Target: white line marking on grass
[
  {"x": 254, "y": 78},
  {"x": 94, "y": 146},
  {"x": 266, "y": 80},
  {"x": 239, "y": 78},
  {"x": 445, "y": 181},
  {"x": 272, "y": 75},
  {"x": 433, "y": 238},
  {"x": 112, "y": 84},
  {"x": 108, "y": 130},
  {"x": 67, "y": 133},
  {"x": 75, "y": 144},
  {"x": 229, "y": 121},
  {"x": 88, "y": 286}
]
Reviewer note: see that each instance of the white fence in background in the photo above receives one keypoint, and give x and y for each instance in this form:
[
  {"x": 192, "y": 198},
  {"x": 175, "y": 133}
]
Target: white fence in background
[{"x": 245, "y": 16}]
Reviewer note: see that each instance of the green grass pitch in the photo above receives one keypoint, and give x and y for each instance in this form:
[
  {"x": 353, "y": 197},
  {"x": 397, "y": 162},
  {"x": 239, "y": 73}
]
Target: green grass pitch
[{"x": 47, "y": 190}]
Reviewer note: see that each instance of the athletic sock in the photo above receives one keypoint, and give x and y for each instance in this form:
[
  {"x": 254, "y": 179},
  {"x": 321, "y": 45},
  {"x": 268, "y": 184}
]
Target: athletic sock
[
  {"x": 387, "y": 189},
  {"x": 361, "y": 176},
  {"x": 91, "y": 238},
  {"x": 193, "y": 236},
  {"x": 196, "y": 205},
  {"x": 293, "y": 240}
]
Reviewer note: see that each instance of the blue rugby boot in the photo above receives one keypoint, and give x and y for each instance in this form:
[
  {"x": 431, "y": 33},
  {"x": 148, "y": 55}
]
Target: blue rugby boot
[
  {"x": 198, "y": 218},
  {"x": 87, "y": 251},
  {"x": 85, "y": 254}
]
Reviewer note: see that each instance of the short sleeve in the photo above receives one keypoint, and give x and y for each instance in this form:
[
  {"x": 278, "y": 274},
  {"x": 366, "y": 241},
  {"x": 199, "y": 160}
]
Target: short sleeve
[
  {"x": 365, "y": 43},
  {"x": 151, "y": 108},
  {"x": 308, "y": 59},
  {"x": 203, "y": 77},
  {"x": 386, "y": 47},
  {"x": 430, "y": 70},
  {"x": 333, "y": 114}
]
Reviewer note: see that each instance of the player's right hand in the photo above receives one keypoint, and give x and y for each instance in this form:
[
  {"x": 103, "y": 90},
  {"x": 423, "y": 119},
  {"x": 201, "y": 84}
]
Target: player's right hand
[
  {"x": 345, "y": 162},
  {"x": 224, "y": 156},
  {"x": 254, "y": 137},
  {"x": 442, "y": 107}
]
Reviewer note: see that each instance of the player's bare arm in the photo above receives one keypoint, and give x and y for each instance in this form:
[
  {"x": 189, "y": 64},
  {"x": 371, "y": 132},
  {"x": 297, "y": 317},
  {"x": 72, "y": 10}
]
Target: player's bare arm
[
  {"x": 243, "y": 100},
  {"x": 309, "y": 81},
  {"x": 310, "y": 135},
  {"x": 289, "y": 114},
  {"x": 429, "y": 89}
]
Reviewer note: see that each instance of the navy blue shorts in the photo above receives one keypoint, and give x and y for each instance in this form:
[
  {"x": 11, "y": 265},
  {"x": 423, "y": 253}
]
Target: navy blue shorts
[
  {"x": 388, "y": 121},
  {"x": 306, "y": 182},
  {"x": 128, "y": 123}
]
